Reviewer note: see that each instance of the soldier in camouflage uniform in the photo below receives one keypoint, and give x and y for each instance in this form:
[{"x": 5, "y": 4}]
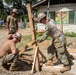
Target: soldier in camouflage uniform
[
  {"x": 12, "y": 23},
  {"x": 58, "y": 46},
  {"x": 9, "y": 53}
]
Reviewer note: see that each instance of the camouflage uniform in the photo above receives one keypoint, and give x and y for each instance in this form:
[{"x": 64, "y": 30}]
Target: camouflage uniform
[
  {"x": 12, "y": 21},
  {"x": 58, "y": 46},
  {"x": 10, "y": 60},
  {"x": 7, "y": 57}
]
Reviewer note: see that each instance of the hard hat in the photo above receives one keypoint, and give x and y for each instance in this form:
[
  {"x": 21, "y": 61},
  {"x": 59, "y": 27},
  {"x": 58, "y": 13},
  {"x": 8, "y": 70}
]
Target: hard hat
[
  {"x": 15, "y": 11},
  {"x": 41, "y": 16},
  {"x": 18, "y": 36}
]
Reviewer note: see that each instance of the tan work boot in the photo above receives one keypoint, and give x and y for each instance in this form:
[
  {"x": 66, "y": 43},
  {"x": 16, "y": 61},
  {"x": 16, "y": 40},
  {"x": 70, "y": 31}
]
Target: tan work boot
[
  {"x": 65, "y": 68},
  {"x": 55, "y": 59},
  {"x": 15, "y": 66},
  {"x": 49, "y": 63},
  {"x": 70, "y": 61},
  {"x": 74, "y": 57}
]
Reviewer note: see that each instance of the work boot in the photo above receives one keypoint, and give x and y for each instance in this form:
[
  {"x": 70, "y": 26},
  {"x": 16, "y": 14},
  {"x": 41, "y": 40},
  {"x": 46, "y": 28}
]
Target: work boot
[
  {"x": 70, "y": 62},
  {"x": 65, "y": 68},
  {"x": 49, "y": 63},
  {"x": 15, "y": 66},
  {"x": 55, "y": 60},
  {"x": 74, "y": 57}
]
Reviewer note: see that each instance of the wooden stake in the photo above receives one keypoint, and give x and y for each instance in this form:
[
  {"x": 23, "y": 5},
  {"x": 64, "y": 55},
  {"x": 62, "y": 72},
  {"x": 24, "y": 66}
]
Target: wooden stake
[
  {"x": 33, "y": 33},
  {"x": 61, "y": 26},
  {"x": 36, "y": 65},
  {"x": 42, "y": 54},
  {"x": 31, "y": 22},
  {"x": 72, "y": 51},
  {"x": 34, "y": 61}
]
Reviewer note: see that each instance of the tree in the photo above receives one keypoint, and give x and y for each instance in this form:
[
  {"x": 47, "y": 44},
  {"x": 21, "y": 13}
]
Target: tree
[
  {"x": 20, "y": 5},
  {"x": 1, "y": 9},
  {"x": 9, "y": 1}
]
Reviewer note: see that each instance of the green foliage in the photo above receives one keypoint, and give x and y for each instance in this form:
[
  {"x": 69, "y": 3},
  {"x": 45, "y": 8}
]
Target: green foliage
[
  {"x": 22, "y": 15},
  {"x": 0, "y": 26},
  {"x": 70, "y": 34},
  {"x": 9, "y": 1},
  {"x": 1, "y": 5},
  {"x": 31, "y": 1},
  {"x": 39, "y": 35}
]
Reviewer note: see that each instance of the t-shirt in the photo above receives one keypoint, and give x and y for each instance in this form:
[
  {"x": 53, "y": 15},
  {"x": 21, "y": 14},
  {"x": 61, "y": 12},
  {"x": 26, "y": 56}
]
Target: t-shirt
[
  {"x": 12, "y": 21},
  {"x": 50, "y": 30},
  {"x": 7, "y": 48}
]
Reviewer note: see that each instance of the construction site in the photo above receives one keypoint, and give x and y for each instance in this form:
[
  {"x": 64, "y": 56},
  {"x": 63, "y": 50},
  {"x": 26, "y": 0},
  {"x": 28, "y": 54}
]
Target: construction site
[{"x": 32, "y": 54}]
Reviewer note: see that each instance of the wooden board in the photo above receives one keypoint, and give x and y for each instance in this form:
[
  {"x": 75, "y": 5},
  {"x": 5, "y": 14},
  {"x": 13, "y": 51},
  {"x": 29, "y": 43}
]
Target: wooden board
[
  {"x": 29, "y": 44},
  {"x": 72, "y": 50},
  {"x": 55, "y": 69},
  {"x": 33, "y": 33}
]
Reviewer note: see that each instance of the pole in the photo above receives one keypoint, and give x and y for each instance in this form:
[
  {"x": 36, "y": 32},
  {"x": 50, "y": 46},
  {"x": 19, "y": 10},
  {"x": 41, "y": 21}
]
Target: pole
[
  {"x": 33, "y": 33},
  {"x": 61, "y": 25},
  {"x": 31, "y": 22},
  {"x": 48, "y": 9}
]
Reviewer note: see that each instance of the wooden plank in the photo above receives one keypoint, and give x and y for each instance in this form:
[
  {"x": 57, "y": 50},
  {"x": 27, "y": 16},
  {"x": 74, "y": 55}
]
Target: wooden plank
[
  {"x": 33, "y": 32},
  {"x": 55, "y": 69},
  {"x": 29, "y": 44},
  {"x": 41, "y": 31},
  {"x": 31, "y": 22},
  {"x": 42, "y": 54},
  {"x": 72, "y": 51},
  {"x": 21, "y": 51},
  {"x": 61, "y": 26},
  {"x": 37, "y": 65},
  {"x": 34, "y": 61}
]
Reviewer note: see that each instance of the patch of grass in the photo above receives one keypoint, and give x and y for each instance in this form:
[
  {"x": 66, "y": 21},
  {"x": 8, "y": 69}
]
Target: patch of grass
[
  {"x": 0, "y": 26},
  {"x": 70, "y": 34},
  {"x": 39, "y": 35},
  {"x": 25, "y": 39}
]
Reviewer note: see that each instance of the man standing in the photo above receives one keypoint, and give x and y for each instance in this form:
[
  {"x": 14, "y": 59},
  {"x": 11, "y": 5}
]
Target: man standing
[
  {"x": 11, "y": 22},
  {"x": 58, "y": 46},
  {"x": 9, "y": 53}
]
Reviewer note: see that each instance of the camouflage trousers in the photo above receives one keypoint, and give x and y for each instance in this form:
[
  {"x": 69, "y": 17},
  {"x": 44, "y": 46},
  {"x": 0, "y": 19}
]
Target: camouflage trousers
[
  {"x": 58, "y": 48},
  {"x": 13, "y": 30},
  {"x": 10, "y": 59}
]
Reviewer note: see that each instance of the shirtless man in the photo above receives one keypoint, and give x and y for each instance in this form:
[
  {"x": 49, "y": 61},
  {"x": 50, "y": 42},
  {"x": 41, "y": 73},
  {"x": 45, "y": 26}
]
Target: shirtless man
[{"x": 9, "y": 53}]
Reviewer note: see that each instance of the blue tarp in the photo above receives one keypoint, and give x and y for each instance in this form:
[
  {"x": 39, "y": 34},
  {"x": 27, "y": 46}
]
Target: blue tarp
[{"x": 1, "y": 22}]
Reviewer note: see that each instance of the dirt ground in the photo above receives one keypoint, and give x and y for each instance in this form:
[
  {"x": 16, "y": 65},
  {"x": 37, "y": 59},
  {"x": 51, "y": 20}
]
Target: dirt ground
[{"x": 27, "y": 57}]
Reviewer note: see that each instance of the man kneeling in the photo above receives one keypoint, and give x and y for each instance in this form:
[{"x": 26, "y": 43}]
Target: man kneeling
[{"x": 9, "y": 53}]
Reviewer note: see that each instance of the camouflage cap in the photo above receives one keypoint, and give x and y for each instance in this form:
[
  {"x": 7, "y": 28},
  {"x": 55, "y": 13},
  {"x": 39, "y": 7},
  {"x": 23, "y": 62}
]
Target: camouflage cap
[
  {"x": 41, "y": 16},
  {"x": 15, "y": 11}
]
